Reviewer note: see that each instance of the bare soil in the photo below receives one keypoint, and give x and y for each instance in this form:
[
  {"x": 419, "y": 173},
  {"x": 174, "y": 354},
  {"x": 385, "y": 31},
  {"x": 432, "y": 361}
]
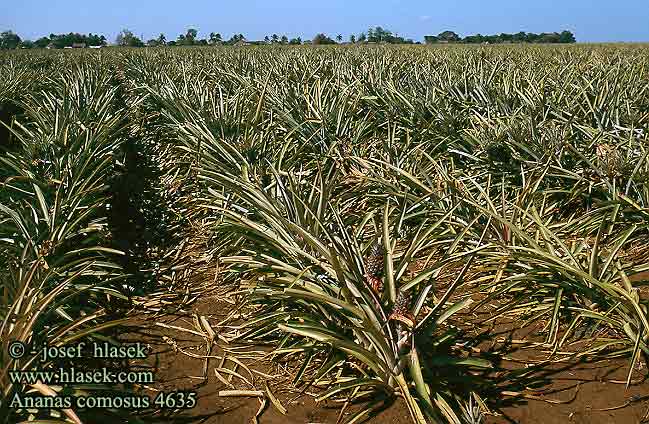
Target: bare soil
[
  {"x": 556, "y": 392},
  {"x": 175, "y": 370},
  {"x": 575, "y": 391}
]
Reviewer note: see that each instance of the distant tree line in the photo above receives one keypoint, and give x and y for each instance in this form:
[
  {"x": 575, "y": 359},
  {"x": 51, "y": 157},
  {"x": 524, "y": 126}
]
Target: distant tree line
[
  {"x": 9, "y": 40},
  {"x": 379, "y": 35},
  {"x": 126, "y": 38},
  {"x": 276, "y": 39},
  {"x": 190, "y": 38},
  {"x": 564, "y": 37},
  {"x": 60, "y": 41}
]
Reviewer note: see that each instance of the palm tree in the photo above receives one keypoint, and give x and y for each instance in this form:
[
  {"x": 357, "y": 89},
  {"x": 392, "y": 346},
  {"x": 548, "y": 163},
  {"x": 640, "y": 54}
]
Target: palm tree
[
  {"x": 236, "y": 38},
  {"x": 339, "y": 38},
  {"x": 190, "y": 37},
  {"x": 215, "y": 38},
  {"x": 275, "y": 38}
]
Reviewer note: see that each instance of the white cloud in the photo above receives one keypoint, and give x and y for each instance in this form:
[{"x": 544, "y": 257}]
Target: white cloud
[{"x": 424, "y": 18}]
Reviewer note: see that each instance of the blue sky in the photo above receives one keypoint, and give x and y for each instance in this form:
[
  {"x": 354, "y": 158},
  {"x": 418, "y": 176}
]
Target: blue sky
[{"x": 590, "y": 20}]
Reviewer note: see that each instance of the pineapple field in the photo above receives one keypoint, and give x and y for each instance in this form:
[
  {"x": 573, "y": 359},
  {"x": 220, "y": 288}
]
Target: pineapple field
[{"x": 449, "y": 234}]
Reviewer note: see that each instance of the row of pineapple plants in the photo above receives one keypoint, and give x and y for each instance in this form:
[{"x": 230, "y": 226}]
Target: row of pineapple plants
[
  {"x": 326, "y": 174},
  {"x": 63, "y": 279},
  {"x": 354, "y": 196}
]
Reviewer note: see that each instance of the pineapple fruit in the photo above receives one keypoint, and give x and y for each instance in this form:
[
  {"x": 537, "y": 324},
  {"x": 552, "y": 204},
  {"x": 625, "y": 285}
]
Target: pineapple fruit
[
  {"x": 374, "y": 268},
  {"x": 401, "y": 310}
]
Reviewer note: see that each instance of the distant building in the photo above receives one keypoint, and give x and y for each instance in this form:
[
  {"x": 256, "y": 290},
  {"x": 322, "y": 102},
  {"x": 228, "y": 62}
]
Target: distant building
[
  {"x": 241, "y": 43},
  {"x": 95, "y": 47},
  {"x": 50, "y": 46},
  {"x": 78, "y": 45}
]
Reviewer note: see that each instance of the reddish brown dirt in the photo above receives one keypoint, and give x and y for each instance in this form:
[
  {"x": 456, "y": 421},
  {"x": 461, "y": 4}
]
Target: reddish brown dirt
[
  {"x": 177, "y": 371},
  {"x": 586, "y": 388},
  {"x": 582, "y": 391}
]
